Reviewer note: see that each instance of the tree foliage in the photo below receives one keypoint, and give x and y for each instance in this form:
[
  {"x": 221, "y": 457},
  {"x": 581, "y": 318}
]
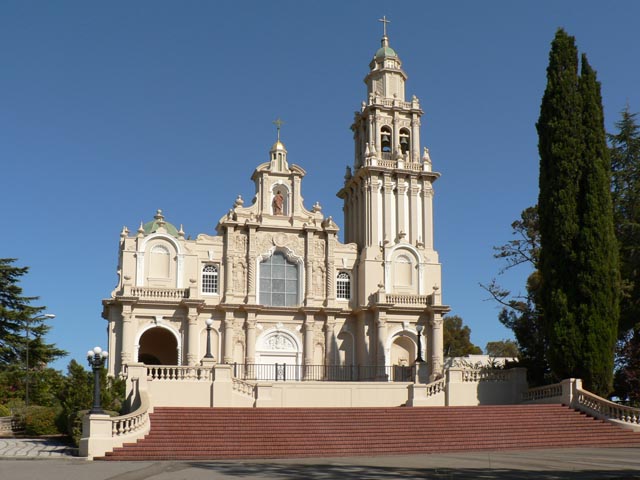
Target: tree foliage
[
  {"x": 625, "y": 189},
  {"x": 457, "y": 338},
  {"x": 625, "y": 192},
  {"x": 17, "y": 316},
  {"x": 502, "y": 348},
  {"x": 521, "y": 313},
  {"x": 579, "y": 291}
]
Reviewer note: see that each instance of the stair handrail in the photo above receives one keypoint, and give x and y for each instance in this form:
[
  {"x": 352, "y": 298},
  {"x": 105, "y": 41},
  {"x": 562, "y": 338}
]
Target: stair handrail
[
  {"x": 244, "y": 387},
  {"x": 436, "y": 387},
  {"x": 570, "y": 392},
  {"x": 102, "y": 433},
  {"x": 604, "y": 409},
  {"x": 136, "y": 421}
]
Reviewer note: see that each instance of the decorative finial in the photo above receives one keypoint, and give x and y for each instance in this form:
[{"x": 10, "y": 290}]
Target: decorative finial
[
  {"x": 384, "y": 25},
  {"x": 278, "y": 123},
  {"x": 181, "y": 232},
  {"x": 141, "y": 229}
]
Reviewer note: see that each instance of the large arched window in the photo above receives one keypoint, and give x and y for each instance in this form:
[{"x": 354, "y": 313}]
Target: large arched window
[
  {"x": 210, "y": 279},
  {"x": 278, "y": 282},
  {"x": 343, "y": 286}
]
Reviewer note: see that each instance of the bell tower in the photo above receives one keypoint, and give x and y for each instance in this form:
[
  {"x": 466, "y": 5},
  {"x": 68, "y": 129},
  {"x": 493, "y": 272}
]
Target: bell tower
[{"x": 388, "y": 193}]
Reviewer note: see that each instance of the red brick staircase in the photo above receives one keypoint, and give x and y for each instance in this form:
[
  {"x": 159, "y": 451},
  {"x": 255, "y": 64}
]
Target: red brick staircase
[{"x": 235, "y": 433}]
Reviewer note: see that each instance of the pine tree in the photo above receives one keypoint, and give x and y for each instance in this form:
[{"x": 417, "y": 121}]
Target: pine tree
[
  {"x": 578, "y": 256},
  {"x": 560, "y": 147},
  {"x": 16, "y": 315},
  {"x": 598, "y": 278},
  {"x": 625, "y": 191}
]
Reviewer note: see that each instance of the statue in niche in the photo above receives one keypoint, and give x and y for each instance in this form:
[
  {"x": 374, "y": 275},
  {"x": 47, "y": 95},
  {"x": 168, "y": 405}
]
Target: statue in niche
[
  {"x": 318, "y": 281},
  {"x": 239, "y": 283},
  {"x": 278, "y": 203}
]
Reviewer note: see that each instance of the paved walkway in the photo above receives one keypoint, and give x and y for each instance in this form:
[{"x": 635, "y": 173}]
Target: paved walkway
[
  {"x": 35, "y": 447},
  {"x": 52, "y": 460}
]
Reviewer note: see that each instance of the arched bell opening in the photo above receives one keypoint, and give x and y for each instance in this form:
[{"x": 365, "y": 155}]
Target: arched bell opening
[
  {"x": 405, "y": 140},
  {"x": 385, "y": 139}
]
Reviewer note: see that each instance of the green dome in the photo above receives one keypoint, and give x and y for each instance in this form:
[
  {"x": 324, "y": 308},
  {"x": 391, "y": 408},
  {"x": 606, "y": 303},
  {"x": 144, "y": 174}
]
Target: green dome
[
  {"x": 386, "y": 52},
  {"x": 157, "y": 222}
]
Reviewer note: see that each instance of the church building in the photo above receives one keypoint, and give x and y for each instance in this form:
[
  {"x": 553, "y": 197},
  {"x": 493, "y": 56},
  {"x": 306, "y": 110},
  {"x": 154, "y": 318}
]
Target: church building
[{"x": 273, "y": 291}]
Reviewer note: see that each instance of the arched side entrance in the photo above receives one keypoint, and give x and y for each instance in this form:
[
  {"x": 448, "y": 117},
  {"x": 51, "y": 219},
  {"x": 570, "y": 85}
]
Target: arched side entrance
[
  {"x": 401, "y": 353},
  {"x": 278, "y": 356},
  {"x": 158, "y": 346}
]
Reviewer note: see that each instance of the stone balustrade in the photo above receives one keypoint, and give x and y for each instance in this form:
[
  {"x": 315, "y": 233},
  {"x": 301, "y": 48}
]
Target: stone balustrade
[
  {"x": 151, "y": 293},
  {"x": 570, "y": 392},
  {"x": 179, "y": 373}
]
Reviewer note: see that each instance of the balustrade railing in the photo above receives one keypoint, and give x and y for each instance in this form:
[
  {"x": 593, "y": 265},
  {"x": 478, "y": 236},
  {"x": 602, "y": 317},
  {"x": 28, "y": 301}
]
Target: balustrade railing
[
  {"x": 176, "y": 373},
  {"x": 150, "y": 293},
  {"x": 325, "y": 373},
  {"x": 397, "y": 299},
  {"x": 485, "y": 375},
  {"x": 436, "y": 387},
  {"x": 542, "y": 393},
  {"x": 599, "y": 407}
]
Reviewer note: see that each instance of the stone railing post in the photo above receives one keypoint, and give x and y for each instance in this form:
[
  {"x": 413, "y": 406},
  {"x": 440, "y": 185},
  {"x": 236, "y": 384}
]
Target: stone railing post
[
  {"x": 97, "y": 435},
  {"x": 454, "y": 381},
  {"x": 569, "y": 386},
  {"x": 222, "y": 386}
]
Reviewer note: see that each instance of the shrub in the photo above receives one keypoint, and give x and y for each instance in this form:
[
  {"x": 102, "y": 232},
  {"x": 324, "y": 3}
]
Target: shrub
[
  {"x": 5, "y": 411},
  {"x": 41, "y": 421}
]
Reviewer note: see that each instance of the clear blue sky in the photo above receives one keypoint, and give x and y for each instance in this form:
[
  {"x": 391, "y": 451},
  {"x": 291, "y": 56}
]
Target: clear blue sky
[{"x": 110, "y": 110}]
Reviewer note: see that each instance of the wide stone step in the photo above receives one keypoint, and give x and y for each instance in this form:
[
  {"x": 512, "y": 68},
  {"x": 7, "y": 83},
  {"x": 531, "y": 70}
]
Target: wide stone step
[{"x": 206, "y": 433}]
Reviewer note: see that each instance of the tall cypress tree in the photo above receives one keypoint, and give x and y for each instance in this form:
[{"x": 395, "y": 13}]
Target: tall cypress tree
[
  {"x": 578, "y": 257},
  {"x": 598, "y": 277},
  {"x": 560, "y": 147}
]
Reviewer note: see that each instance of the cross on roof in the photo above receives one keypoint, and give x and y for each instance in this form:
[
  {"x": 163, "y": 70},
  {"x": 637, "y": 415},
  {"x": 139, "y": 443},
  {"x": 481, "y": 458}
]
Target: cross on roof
[
  {"x": 384, "y": 24},
  {"x": 278, "y": 123}
]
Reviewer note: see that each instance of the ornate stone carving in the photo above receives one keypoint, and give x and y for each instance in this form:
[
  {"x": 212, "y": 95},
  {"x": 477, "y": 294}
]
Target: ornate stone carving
[{"x": 279, "y": 341}]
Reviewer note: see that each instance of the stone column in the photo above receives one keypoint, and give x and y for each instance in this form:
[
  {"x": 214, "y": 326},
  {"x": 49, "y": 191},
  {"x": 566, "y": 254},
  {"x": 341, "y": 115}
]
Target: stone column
[
  {"x": 126, "y": 354},
  {"x": 251, "y": 337},
  {"x": 228, "y": 336},
  {"x": 388, "y": 192},
  {"x": 427, "y": 212},
  {"x": 381, "y": 335},
  {"x": 308, "y": 338},
  {"x": 329, "y": 339},
  {"x": 308, "y": 290},
  {"x": 414, "y": 233},
  {"x": 401, "y": 199},
  {"x": 251, "y": 265},
  {"x": 415, "y": 139},
  {"x": 437, "y": 354},
  {"x": 331, "y": 269},
  {"x": 193, "y": 337}
]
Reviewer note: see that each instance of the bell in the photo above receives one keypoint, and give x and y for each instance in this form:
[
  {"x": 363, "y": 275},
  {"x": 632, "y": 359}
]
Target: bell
[{"x": 386, "y": 138}]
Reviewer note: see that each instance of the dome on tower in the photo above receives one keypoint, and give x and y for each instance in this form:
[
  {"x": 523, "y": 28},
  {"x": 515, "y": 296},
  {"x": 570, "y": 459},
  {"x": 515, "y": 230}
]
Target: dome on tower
[
  {"x": 385, "y": 51},
  {"x": 159, "y": 223}
]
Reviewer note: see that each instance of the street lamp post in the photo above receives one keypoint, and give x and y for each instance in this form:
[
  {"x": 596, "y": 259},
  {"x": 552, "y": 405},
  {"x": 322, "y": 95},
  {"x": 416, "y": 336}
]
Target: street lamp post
[
  {"x": 96, "y": 358},
  {"x": 26, "y": 356},
  {"x": 419, "y": 357},
  {"x": 209, "y": 322}
]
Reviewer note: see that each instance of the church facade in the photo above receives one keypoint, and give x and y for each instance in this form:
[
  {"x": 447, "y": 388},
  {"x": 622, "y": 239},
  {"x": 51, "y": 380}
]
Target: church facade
[{"x": 275, "y": 286}]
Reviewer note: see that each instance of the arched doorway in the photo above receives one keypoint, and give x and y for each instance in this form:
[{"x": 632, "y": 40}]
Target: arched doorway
[
  {"x": 158, "y": 346},
  {"x": 278, "y": 356},
  {"x": 403, "y": 357}
]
